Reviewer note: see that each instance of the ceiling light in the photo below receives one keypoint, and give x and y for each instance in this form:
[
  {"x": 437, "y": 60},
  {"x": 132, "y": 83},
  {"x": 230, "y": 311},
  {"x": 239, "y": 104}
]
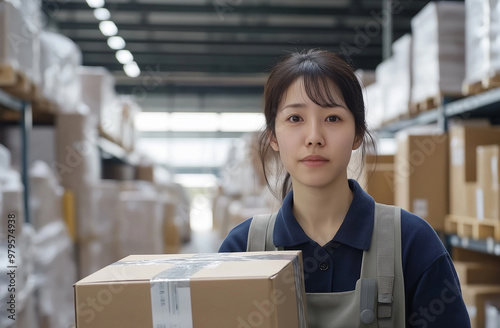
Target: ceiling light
[
  {"x": 116, "y": 42},
  {"x": 108, "y": 28},
  {"x": 95, "y": 3},
  {"x": 102, "y": 14},
  {"x": 131, "y": 69},
  {"x": 124, "y": 56}
]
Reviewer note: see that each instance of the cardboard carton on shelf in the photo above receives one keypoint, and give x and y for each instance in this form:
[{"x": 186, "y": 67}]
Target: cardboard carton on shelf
[
  {"x": 464, "y": 138},
  {"x": 475, "y": 298},
  {"x": 204, "y": 290},
  {"x": 488, "y": 181},
  {"x": 421, "y": 158}
]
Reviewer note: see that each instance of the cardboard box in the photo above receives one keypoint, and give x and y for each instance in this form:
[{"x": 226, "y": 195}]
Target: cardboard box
[
  {"x": 477, "y": 272},
  {"x": 421, "y": 176},
  {"x": 376, "y": 177},
  {"x": 463, "y": 142},
  {"x": 488, "y": 181},
  {"x": 379, "y": 182},
  {"x": 475, "y": 298},
  {"x": 263, "y": 289}
]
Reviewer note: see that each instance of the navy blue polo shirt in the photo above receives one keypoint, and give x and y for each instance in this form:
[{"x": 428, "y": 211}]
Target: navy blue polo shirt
[{"x": 432, "y": 289}]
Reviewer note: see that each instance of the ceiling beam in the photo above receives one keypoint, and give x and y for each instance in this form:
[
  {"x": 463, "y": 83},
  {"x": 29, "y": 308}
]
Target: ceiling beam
[
  {"x": 410, "y": 8},
  {"x": 224, "y": 29}
]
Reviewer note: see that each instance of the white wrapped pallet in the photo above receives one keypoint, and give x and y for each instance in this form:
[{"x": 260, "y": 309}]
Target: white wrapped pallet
[
  {"x": 141, "y": 223},
  {"x": 19, "y": 41},
  {"x": 399, "y": 100},
  {"x": 373, "y": 106},
  {"x": 477, "y": 43},
  {"x": 438, "y": 62},
  {"x": 98, "y": 92},
  {"x": 45, "y": 196},
  {"x": 55, "y": 270},
  {"x": 385, "y": 81},
  {"x": 59, "y": 61},
  {"x": 494, "y": 55},
  {"x": 12, "y": 191}
]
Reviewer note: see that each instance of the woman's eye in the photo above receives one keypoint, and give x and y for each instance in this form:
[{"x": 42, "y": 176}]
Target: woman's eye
[
  {"x": 333, "y": 118},
  {"x": 294, "y": 119}
]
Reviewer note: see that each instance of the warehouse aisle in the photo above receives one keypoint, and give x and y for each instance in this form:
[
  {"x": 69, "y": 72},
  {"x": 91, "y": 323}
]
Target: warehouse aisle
[{"x": 204, "y": 241}]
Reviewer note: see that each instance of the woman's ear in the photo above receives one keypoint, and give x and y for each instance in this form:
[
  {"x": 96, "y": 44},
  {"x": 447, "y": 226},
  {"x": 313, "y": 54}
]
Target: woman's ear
[
  {"x": 273, "y": 142},
  {"x": 357, "y": 142}
]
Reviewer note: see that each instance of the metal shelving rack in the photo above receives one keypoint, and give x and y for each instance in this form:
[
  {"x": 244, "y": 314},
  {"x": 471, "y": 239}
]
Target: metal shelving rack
[
  {"x": 485, "y": 104},
  {"x": 26, "y": 123}
]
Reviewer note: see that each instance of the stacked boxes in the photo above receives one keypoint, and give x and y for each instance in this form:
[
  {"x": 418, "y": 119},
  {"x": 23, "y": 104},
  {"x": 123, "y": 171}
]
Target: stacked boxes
[
  {"x": 206, "y": 290},
  {"x": 477, "y": 41},
  {"x": 377, "y": 178},
  {"x": 421, "y": 158},
  {"x": 487, "y": 192},
  {"x": 463, "y": 142},
  {"x": 399, "y": 98},
  {"x": 438, "y": 63}
]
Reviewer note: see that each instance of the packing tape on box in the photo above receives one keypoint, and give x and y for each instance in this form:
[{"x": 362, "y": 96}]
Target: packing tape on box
[{"x": 171, "y": 293}]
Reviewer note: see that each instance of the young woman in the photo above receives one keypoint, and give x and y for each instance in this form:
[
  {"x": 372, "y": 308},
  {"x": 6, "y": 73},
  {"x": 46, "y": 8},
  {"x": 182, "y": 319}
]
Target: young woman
[{"x": 351, "y": 246}]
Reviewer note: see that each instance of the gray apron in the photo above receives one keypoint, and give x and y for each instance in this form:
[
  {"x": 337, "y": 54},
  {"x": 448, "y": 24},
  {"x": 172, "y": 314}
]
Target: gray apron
[{"x": 378, "y": 300}]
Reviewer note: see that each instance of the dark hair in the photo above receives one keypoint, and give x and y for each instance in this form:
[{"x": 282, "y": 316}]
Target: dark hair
[{"x": 318, "y": 69}]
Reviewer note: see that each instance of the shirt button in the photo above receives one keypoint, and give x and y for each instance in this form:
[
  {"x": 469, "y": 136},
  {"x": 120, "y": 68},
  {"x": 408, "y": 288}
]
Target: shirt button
[{"x": 323, "y": 266}]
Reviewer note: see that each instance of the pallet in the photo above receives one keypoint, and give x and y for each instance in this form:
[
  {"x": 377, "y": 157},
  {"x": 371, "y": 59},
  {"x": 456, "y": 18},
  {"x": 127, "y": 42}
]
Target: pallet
[
  {"x": 472, "y": 89},
  {"x": 425, "y": 105},
  {"x": 472, "y": 227},
  {"x": 17, "y": 83},
  {"x": 492, "y": 81}
]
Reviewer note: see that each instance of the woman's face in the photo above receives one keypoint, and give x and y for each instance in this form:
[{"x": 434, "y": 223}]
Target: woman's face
[{"x": 314, "y": 142}]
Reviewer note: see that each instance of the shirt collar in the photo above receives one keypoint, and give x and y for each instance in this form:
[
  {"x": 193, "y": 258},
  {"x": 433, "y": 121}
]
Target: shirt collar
[{"x": 355, "y": 231}]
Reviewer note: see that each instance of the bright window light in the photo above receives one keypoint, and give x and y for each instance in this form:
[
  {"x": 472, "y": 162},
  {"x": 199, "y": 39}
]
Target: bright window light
[
  {"x": 108, "y": 28},
  {"x": 124, "y": 56},
  {"x": 95, "y": 3},
  {"x": 102, "y": 14},
  {"x": 194, "y": 122},
  {"x": 116, "y": 42},
  {"x": 151, "y": 121},
  {"x": 241, "y": 122},
  {"x": 132, "y": 69}
]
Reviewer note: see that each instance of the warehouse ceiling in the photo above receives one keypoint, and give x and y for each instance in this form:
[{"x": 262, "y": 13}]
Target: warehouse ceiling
[{"x": 225, "y": 46}]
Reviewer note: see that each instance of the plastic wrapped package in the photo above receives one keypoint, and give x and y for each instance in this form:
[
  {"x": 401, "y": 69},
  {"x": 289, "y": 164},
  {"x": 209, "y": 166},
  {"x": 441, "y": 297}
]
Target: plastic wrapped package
[
  {"x": 59, "y": 62},
  {"x": 105, "y": 196},
  {"x": 98, "y": 92},
  {"x": 399, "y": 100},
  {"x": 77, "y": 155},
  {"x": 19, "y": 40},
  {"x": 386, "y": 82},
  {"x": 45, "y": 196},
  {"x": 438, "y": 62},
  {"x": 5, "y": 159},
  {"x": 13, "y": 202},
  {"x": 477, "y": 43},
  {"x": 373, "y": 106},
  {"x": 494, "y": 37},
  {"x": 140, "y": 224},
  {"x": 129, "y": 111},
  {"x": 55, "y": 271}
]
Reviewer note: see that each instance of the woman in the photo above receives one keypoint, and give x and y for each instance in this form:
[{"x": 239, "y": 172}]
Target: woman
[{"x": 351, "y": 246}]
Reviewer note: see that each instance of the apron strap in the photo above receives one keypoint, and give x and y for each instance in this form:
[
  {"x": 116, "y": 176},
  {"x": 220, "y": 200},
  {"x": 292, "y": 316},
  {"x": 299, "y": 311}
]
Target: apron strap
[
  {"x": 260, "y": 235},
  {"x": 385, "y": 260}
]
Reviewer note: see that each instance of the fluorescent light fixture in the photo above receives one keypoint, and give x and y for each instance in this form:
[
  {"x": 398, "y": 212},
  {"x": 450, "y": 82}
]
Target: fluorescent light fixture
[
  {"x": 124, "y": 56},
  {"x": 194, "y": 121},
  {"x": 102, "y": 14},
  {"x": 95, "y": 3},
  {"x": 241, "y": 122},
  {"x": 132, "y": 69},
  {"x": 151, "y": 121},
  {"x": 108, "y": 28},
  {"x": 116, "y": 42}
]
